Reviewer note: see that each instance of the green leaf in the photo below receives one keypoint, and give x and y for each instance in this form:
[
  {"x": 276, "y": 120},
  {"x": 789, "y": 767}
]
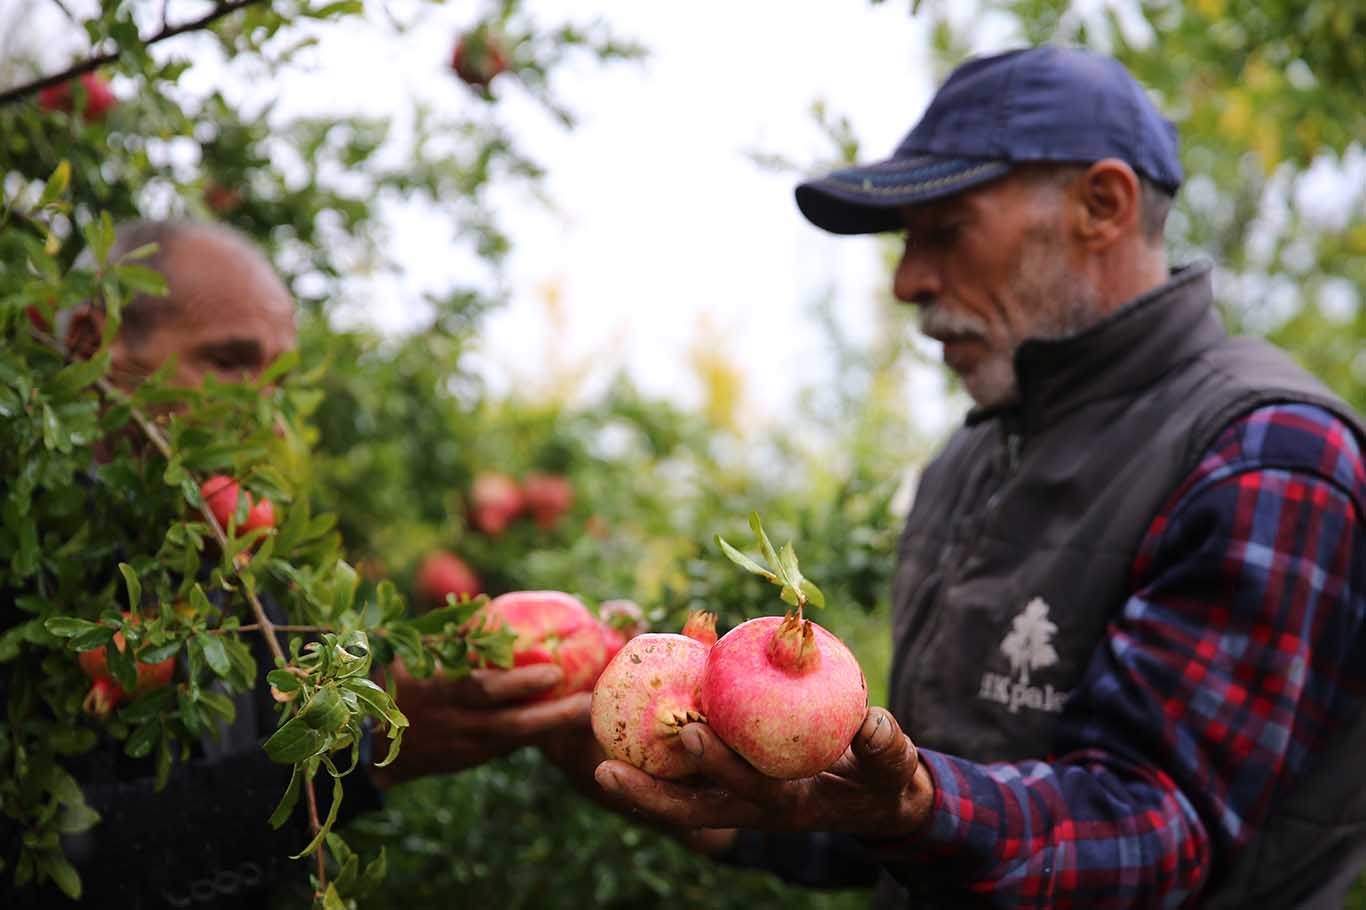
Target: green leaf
[
  {"x": 214, "y": 653},
  {"x": 344, "y": 584},
  {"x": 787, "y": 566},
  {"x": 295, "y": 742},
  {"x": 331, "y": 899},
  {"x": 813, "y": 593},
  {"x": 326, "y": 711},
  {"x": 379, "y": 703},
  {"x": 288, "y": 801},
  {"x": 765, "y": 545},
  {"x": 143, "y": 739},
  {"x": 52, "y": 191},
  {"x": 98, "y": 637},
  {"x": 435, "y": 621},
  {"x": 134, "y": 586},
  {"x": 743, "y": 561},
  {"x": 70, "y": 626},
  {"x": 284, "y": 680},
  {"x": 78, "y": 375},
  {"x": 63, "y": 874},
  {"x": 374, "y": 873},
  {"x": 329, "y": 821},
  {"x": 142, "y": 279}
]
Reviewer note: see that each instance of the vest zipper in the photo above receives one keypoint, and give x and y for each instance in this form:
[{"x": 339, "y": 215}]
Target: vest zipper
[{"x": 920, "y": 634}]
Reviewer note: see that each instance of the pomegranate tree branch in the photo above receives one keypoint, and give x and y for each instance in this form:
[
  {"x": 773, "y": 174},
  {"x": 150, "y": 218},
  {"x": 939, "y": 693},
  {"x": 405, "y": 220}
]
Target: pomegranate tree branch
[
  {"x": 158, "y": 439},
  {"x": 94, "y": 62},
  {"x": 314, "y": 826}
]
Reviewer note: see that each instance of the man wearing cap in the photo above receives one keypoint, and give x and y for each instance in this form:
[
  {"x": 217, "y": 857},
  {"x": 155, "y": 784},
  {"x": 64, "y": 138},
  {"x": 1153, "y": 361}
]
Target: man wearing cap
[{"x": 1130, "y": 599}]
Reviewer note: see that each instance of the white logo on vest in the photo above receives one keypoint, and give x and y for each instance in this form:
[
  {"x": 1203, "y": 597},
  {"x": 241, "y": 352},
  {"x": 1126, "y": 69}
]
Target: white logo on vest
[{"x": 1029, "y": 646}]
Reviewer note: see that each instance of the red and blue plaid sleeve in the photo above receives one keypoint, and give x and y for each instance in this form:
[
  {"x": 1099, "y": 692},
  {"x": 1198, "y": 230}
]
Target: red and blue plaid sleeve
[{"x": 1241, "y": 647}]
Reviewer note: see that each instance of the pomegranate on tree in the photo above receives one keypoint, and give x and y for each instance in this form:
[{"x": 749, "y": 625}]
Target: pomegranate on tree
[
  {"x": 445, "y": 573},
  {"x": 552, "y": 628},
  {"x": 646, "y": 695},
  {"x": 478, "y": 57},
  {"x": 784, "y": 693},
  {"x": 105, "y": 693},
  {"x": 220, "y": 494},
  {"x": 548, "y": 497},
  {"x": 99, "y": 99},
  {"x": 495, "y": 500}
]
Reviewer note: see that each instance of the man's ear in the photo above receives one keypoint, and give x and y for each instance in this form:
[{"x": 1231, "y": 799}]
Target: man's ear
[
  {"x": 1111, "y": 202},
  {"x": 84, "y": 331}
]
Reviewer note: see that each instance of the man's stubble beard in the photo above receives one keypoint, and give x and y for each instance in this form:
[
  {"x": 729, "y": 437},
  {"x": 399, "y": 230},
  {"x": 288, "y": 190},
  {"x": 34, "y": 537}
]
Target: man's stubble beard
[{"x": 1055, "y": 302}]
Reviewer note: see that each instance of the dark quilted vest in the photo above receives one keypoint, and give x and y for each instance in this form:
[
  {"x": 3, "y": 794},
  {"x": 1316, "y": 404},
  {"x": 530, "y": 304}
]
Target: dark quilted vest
[{"x": 1018, "y": 551}]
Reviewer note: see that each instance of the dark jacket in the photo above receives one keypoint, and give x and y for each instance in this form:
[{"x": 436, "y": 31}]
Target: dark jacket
[{"x": 1050, "y": 499}]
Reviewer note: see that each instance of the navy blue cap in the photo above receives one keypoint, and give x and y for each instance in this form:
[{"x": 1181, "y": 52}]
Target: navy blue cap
[{"x": 1038, "y": 104}]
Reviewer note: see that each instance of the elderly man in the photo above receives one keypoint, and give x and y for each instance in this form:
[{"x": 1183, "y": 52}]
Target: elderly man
[
  {"x": 1130, "y": 600},
  {"x": 204, "y": 841}
]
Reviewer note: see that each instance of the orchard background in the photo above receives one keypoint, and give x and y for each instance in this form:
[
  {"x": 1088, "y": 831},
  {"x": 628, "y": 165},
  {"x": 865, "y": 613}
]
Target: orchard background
[{"x": 387, "y": 431}]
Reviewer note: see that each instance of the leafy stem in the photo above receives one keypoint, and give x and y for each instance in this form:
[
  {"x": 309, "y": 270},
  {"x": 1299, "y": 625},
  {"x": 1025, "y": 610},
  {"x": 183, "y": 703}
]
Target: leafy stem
[{"x": 797, "y": 590}]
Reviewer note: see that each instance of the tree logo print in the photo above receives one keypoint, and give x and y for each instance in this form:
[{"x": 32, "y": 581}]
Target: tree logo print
[{"x": 1030, "y": 642}]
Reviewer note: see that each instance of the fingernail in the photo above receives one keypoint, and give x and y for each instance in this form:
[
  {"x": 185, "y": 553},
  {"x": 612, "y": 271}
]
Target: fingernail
[
  {"x": 607, "y": 779},
  {"x": 692, "y": 742}
]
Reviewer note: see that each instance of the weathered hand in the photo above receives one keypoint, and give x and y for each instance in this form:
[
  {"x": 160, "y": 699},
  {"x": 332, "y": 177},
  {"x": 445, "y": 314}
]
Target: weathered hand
[
  {"x": 456, "y": 724},
  {"x": 876, "y": 788}
]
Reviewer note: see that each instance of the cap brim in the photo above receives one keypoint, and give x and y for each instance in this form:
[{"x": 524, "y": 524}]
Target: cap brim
[{"x": 865, "y": 199}]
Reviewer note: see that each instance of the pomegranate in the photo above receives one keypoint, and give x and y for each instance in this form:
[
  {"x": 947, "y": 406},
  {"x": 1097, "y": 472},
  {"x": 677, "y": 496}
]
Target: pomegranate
[
  {"x": 478, "y": 57},
  {"x": 552, "y": 627},
  {"x": 98, "y": 97},
  {"x": 445, "y": 573},
  {"x": 220, "y": 493},
  {"x": 548, "y": 497},
  {"x": 495, "y": 500},
  {"x": 644, "y": 697},
  {"x": 620, "y": 621},
  {"x": 784, "y": 693},
  {"x": 105, "y": 694}
]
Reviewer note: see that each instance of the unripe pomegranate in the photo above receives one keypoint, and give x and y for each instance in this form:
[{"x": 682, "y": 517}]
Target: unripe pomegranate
[
  {"x": 99, "y": 99},
  {"x": 644, "y": 697},
  {"x": 552, "y": 628},
  {"x": 105, "y": 693},
  {"x": 445, "y": 573},
  {"x": 548, "y": 497},
  {"x": 478, "y": 57},
  {"x": 785, "y": 694},
  {"x": 220, "y": 493},
  {"x": 495, "y": 500}
]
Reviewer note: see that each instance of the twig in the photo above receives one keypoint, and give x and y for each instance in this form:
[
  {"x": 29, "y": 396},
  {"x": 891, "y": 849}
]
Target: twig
[
  {"x": 314, "y": 825},
  {"x": 95, "y": 62}
]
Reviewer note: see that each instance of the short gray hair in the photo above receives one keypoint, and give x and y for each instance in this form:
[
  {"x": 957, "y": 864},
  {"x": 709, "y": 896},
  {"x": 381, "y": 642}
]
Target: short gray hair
[{"x": 1154, "y": 204}]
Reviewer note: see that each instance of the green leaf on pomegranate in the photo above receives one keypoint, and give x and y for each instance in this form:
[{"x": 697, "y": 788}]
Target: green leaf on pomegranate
[
  {"x": 62, "y": 873},
  {"x": 765, "y": 545},
  {"x": 813, "y": 593},
  {"x": 743, "y": 561},
  {"x": 97, "y": 637}
]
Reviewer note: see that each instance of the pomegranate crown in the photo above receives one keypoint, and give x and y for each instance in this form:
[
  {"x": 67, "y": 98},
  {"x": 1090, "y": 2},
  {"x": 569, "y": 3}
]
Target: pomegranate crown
[{"x": 797, "y": 590}]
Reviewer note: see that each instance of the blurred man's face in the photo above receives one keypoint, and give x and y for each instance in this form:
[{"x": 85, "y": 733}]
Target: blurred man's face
[
  {"x": 230, "y": 317},
  {"x": 989, "y": 268}
]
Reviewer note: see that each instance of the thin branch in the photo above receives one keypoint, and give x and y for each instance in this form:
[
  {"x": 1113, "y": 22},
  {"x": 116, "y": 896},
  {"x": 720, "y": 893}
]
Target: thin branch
[
  {"x": 92, "y": 63},
  {"x": 315, "y": 825}
]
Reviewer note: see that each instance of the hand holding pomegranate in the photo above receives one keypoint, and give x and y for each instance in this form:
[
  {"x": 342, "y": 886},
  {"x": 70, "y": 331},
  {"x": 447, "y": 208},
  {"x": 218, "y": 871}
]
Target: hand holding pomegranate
[{"x": 876, "y": 788}]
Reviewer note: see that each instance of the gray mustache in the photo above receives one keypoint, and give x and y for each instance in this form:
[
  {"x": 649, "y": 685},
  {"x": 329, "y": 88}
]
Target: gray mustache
[{"x": 940, "y": 320}]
